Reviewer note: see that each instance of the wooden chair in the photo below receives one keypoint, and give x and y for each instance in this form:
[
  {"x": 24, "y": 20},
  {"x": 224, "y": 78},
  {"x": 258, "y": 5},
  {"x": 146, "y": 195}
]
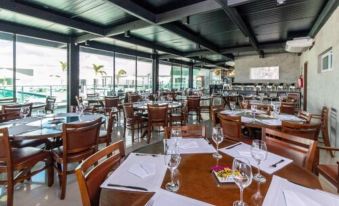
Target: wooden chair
[
  {"x": 329, "y": 171},
  {"x": 193, "y": 105},
  {"x": 188, "y": 131},
  {"x": 131, "y": 120},
  {"x": 79, "y": 142},
  {"x": 21, "y": 162},
  {"x": 7, "y": 100},
  {"x": 133, "y": 98},
  {"x": 91, "y": 173},
  {"x": 9, "y": 116},
  {"x": 287, "y": 108},
  {"x": 309, "y": 131},
  {"x": 301, "y": 150},
  {"x": 306, "y": 116},
  {"x": 112, "y": 106},
  {"x": 50, "y": 104},
  {"x": 105, "y": 136},
  {"x": 218, "y": 105},
  {"x": 179, "y": 115},
  {"x": 157, "y": 116},
  {"x": 80, "y": 102},
  {"x": 16, "y": 108},
  {"x": 231, "y": 126}
]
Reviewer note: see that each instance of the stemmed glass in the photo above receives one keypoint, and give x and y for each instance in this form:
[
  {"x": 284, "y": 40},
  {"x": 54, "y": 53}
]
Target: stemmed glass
[
  {"x": 24, "y": 111},
  {"x": 176, "y": 136},
  {"x": 259, "y": 154},
  {"x": 232, "y": 105},
  {"x": 217, "y": 137},
  {"x": 242, "y": 177},
  {"x": 172, "y": 160},
  {"x": 254, "y": 110}
]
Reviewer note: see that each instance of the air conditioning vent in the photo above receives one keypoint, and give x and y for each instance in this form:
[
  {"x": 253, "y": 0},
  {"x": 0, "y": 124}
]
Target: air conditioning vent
[{"x": 298, "y": 45}]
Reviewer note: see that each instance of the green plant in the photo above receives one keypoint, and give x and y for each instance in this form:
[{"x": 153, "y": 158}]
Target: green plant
[
  {"x": 63, "y": 66},
  {"x": 120, "y": 73},
  {"x": 98, "y": 70}
]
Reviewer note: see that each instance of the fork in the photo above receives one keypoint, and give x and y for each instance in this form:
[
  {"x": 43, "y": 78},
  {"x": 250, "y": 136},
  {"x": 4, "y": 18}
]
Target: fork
[{"x": 150, "y": 202}]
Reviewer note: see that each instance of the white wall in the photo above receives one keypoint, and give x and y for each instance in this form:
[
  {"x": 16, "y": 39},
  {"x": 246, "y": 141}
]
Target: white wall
[
  {"x": 289, "y": 67},
  {"x": 323, "y": 88}
]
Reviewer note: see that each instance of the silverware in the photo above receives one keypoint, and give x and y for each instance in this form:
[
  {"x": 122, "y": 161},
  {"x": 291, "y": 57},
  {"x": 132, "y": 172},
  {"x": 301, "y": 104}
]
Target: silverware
[
  {"x": 143, "y": 154},
  {"x": 127, "y": 186},
  {"x": 276, "y": 164},
  {"x": 232, "y": 146}
]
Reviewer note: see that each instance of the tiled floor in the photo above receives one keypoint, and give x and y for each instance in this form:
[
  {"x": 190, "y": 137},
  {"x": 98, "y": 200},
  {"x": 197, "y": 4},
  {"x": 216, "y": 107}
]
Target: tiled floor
[{"x": 36, "y": 193}]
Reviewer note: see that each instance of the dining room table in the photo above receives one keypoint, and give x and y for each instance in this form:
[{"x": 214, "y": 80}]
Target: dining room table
[
  {"x": 45, "y": 126},
  {"x": 199, "y": 183},
  {"x": 142, "y": 105}
]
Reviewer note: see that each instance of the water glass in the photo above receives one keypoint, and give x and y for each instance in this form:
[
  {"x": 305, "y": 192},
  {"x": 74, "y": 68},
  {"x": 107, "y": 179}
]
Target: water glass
[
  {"x": 242, "y": 177},
  {"x": 172, "y": 161},
  {"x": 259, "y": 154},
  {"x": 24, "y": 111},
  {"x": 217, "y": 137},
  {"x": 232, "y": 105}
]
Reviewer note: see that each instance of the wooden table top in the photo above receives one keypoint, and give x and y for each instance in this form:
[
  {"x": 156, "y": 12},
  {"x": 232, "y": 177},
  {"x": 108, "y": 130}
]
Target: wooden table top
[{"x": 197, "y": 181}]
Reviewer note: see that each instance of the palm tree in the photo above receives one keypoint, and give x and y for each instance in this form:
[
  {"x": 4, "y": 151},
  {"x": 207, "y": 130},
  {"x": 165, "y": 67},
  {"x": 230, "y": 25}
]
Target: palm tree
[
  {"x": 120, "y": 73},
  {"x": 63, "y": 66},
  {"x": 98, "y": 69}
]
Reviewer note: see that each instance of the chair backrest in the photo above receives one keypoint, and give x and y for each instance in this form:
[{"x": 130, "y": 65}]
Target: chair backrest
[
  {"x": 110, "y": 124},
  {"x": 309, "y": 131},
  {"x": 157, "y": 114},
  {"x": 263, "y": 107},
  {"x": 111, "y": 102},
  {"x": 79, "y": 101},
  {"x": 80, "y": 137},
  {"x": 9, "y": 116},
  {"x": 91, "y": 173},
  {"x": 188, "y": 131},
  {"x": 231, "y": 126},
  {"x": 17, "y": 108},
  {"x": 301, "y": 150},
  {"x": 218, "y": 100},
  {"x": 133, "y": 98},
  {"x": 245, "y": 104},
  {"x": 128, "y": 110},
  {"x": 287, "y": 108},
  {"x": 305, "y": 116},
  {"x": 193, "y": 103},
  {"x": 94, "y": 95},
  {"x": 7, "y": 100},
  {"x": 50, "y": 104},
  {"x": 5, "y": 149}
]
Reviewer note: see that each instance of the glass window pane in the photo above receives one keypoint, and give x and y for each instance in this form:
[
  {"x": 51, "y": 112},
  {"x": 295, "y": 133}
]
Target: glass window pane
[
  {"x": 176, "y": 72},
  {"x": 184, "y": 77},
  {"x": 125, "y": 73},
  {"x": 96, "y": 72},
  {"x": 201, "y": 79},
  {"x": 41, "y": 70},
  {"x": 6, "y": 66},
  {"x": 165, "y": 77},
  {"x": 144, "y": 72}
]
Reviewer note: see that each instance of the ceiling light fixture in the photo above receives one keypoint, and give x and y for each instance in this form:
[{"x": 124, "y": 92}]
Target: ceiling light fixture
[{"x": 280, "y": 2}]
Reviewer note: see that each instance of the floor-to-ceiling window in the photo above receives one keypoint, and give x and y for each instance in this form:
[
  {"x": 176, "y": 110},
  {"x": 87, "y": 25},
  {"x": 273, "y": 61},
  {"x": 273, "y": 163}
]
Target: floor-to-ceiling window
[
  {"x": 176, "y": 77},
  {"x": 165, "y": 76},
  {"x": 201, "y": 78},
  {"x": 41, "y": 70},
  {"x": 6, "y": 66},
  {"x": 125, "y": 71},
  {"x": 184, "y": 77},
  {"x": 96, "y": 72},
  {"x": 144, "y": 74}
]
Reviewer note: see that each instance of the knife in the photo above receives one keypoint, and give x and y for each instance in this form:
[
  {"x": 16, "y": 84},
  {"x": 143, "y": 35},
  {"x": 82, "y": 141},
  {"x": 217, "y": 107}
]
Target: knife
[
  {"x": 232, "y": 146},
  {"x": 127, "y": 186}
]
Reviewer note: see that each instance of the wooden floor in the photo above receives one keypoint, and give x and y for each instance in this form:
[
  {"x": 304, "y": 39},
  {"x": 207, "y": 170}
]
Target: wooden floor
[{"x": 36, "y": 193}]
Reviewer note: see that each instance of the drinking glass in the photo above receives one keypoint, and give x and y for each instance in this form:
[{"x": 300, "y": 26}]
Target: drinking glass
[
  {"x": 218, "y": 137},
  {"x": 24, "y": 111},
  {"x": 259, "y": 154},
  {"x": 242, "y": 177},
  {"x": 232, "y": 105},
  {"x": 176, "y": 135},
  {"x": 254, "y": 110}
]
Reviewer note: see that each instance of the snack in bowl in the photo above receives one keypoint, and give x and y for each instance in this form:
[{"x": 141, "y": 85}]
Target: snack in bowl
[{"x": 224, "y": 174}]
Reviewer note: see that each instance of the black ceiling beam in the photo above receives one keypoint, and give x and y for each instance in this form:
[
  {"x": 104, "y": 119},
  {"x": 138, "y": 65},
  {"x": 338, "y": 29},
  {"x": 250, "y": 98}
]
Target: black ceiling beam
[
  {"x": 138, "y": 41},
  {"x": 325, "y": 14},
  {"x": 29, "y": 31},
  {"x": 235, "y": 17},
  {"x": 135, "y": 10},
  {"x": 118, "y": 49},
  {"x": 20, "y": 8},
  {"x": 233, "y": 3}
]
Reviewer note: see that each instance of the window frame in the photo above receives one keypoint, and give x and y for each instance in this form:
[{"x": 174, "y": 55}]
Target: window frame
[{"x": 328, "y": 53}]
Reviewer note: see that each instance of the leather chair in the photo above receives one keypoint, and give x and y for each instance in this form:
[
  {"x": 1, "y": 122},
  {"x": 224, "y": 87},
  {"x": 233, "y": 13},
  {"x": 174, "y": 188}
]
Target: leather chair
[
  {"x": 193, "y": 105},
  {"x": 21, "y": 162},
  {"x": 132, "y": 121},
  {"x": 309, "y": 131},
  {"x": 105, "y": 136},
  {"x": 157, "y": 116},
  {"x": 301, "y": 150},
  {"x": 91, "y": 173},
  {"x": 188, "y": 131},
  {"x": 50, "y": 104},
  {"x": 79, "y": 142}
]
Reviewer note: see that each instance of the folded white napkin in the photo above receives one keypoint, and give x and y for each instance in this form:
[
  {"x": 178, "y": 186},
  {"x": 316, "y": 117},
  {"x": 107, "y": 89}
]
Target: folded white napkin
[
  {"x": 293, "y": 198},
  {"x": 143, "y": 169},
  {"x": 188, "y": 145}
]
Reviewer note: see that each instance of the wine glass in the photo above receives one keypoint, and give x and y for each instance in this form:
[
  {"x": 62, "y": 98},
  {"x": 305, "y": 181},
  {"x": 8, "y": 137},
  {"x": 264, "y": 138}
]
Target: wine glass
[
  {"x": 259, "y": 154},
  {"x": 172, "y": 160},
  {"x": 217, "y": 137},
  {"x": 242, "y": 176},
  {"x": 176, "y": 136},
  {"x": 232, "y": 105},
  {"x": 24, "y": 111},
  {"x": 254, "y": 110}
]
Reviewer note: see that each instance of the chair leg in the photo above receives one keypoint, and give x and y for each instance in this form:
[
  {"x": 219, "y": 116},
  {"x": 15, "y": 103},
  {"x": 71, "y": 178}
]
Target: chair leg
[
  {"x": 50, "y": 172},
  {"x": 132, "y": 129},
  {"x": 63, "y": 182},
  {"x": 10, "y": 191},
  {"x": 149, "y": 130}
]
